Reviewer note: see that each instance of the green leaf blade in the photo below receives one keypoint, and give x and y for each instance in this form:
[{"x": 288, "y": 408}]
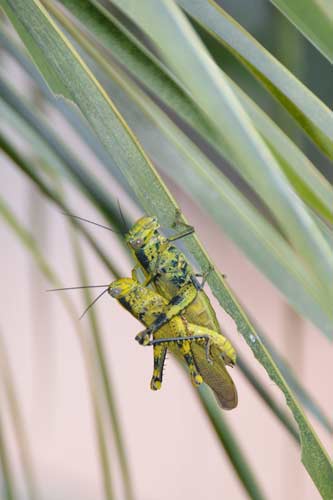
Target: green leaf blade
[
  {"x": 308, "y": 110},
  {"x": 312, "y": 18},
  {"x": 212, "y": 92}
]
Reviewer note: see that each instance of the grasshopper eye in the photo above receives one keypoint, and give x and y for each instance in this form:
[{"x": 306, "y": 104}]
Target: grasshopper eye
[
  {"x": 114, "y": 292},
  {"x": 137, "y": 243}
]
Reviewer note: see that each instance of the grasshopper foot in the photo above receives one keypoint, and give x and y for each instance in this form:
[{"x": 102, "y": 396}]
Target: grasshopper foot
[
  {"x": 155, "y": 384},
  {"x": 197, "y": 380},
  {"x": 143, "y": 337},
  {"x": 205, "y": 276},
  {"x": 179, "y": 223}
]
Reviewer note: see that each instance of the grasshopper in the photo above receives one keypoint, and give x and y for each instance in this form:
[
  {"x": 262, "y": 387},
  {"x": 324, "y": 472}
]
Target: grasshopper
[
  {"x": 168, "y": 270},
  {"x": 203, "y": 350}
]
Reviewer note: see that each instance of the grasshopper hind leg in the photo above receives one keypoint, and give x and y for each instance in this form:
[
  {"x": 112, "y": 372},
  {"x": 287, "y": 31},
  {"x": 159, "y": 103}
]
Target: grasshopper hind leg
[
  {"x": 185, "y": 348},
  {"x": 159, "y": 360},
  {"x": 196, "y": 378}
]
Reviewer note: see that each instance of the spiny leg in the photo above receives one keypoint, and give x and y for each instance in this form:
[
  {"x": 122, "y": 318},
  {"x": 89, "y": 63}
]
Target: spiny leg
[
  {"x": 197, "y": 338},
  {"x": 189, "y": 360},
  {"x": 178, "y": 222},
  {"x": 185, "y": 348},
  {"x": 159, "y": 359},
  {"x": 204, "y": 276}
]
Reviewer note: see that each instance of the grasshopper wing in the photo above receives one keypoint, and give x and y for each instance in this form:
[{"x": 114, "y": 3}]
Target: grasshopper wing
[{"x": 215, "y": 375}]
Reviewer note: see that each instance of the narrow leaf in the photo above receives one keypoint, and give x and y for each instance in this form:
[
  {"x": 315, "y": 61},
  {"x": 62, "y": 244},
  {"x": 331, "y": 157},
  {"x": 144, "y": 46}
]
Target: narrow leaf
[
  {"x": 29, "y": 170},
  {"x": 230, "y": 445},
  {"x": 79, "y": 172},
  {"x": 106, "y": 381},
  {"x": 314, "y": 19},
  {"x": 212, "y": 92},
  {"x": 8, "y": 486},
  {"x": 311, "y": 114},
  {"x": 16, "y": 418},
  {"x": 31, "y": 245},
  {"x": 311, "y": 186}
]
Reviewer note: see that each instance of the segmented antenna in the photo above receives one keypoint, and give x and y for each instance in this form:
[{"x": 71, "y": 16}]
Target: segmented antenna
[
  {"x": 76, "y": 288},
  {"x": 93, "y": 223},
  {"x": 80, "y": 288},
  {"x": 93, "y": 302}
]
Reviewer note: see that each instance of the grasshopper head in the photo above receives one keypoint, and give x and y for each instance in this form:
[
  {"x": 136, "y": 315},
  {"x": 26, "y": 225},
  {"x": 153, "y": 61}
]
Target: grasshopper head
[
  {"x": 120, "y": 288},
  {"x": 142, "y": 232}
]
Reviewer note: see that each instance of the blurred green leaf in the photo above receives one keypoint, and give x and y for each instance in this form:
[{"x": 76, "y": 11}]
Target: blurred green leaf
[
  {"x": 300, "y": 390},
  {"x": 8, "y": 486},
  {"x": 314, "y": 19},
  {"x": 143, "y": 65},
  {"x": 99, "y": 365},
  {"x": 72, "y": 116},
  {"x": 230, "y": 445},
  {"x": 327, "y": 231},
  {"x": 30, "y": 171},
  {"x": 77, "y": 170},
  {"x": 31, "y": 245},
  {"x": 99, "y": 353},
  {"x": 311, "y": 114},
  {"x": 267, "y": 398},
  {"x": 17, "y": 421}
]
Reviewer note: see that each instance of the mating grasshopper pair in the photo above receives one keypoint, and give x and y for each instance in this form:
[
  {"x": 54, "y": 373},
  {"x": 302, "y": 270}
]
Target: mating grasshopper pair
[
  {"x": 203, "y": 350},
  {"x": 178, "y": 315}
]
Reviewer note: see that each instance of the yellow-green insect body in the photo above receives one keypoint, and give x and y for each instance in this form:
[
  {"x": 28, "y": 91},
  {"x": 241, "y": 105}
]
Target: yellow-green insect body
[
  {"x": 146, "y": 305},
  {"x": 168, "y": 269}
]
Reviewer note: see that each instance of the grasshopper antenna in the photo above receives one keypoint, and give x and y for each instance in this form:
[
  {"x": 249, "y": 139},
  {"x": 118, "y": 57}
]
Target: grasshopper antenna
[
  {"x": 91, "y": 222},
  {"x": 106, "y": 287},
  {"x": 76, "y": 288},
  {"x": 93, "y": 302}
]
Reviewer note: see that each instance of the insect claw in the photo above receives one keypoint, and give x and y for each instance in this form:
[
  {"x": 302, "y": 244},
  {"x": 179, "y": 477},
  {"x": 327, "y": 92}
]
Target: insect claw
[
  {"x": 155, "y": 384},
  {"x": 143, "y": 338},
  {"x": 197, "y": 380},
  {"x": 205, "y": 275}
]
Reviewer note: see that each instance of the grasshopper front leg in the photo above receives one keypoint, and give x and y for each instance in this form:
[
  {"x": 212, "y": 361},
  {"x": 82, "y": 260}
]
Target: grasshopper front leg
[
  {"x": 205, "y": 338},
  {"x": 177, "y": 304},
  {"x": 185, "y": 297},
  {"x": 187, "y": 231}
]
